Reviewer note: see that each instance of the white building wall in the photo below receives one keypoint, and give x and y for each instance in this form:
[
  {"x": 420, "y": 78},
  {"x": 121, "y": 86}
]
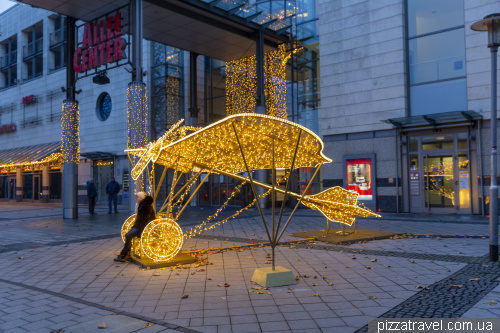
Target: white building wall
[
  {"x": 95, "y": 135},
  {"x": 362, "y": 64},
  {"x": 478, "y": 57}
]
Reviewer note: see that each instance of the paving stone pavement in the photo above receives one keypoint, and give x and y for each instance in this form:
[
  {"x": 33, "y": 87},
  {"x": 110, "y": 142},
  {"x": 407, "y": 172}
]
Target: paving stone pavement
[{"x": 65, "y": 281}]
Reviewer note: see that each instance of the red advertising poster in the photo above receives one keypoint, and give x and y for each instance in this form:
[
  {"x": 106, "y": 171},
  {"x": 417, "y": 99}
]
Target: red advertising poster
[{"x": 359, "y": 177}]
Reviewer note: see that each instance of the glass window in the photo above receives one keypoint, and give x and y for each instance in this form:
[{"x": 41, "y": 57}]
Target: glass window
[
  {"x": 463, "y": 160},
  {"x": 414, "y": 144},
  {"x": 28, "y": 187},
  {"x": 444, "y": 141},
  {"x": 462, "y": 140},
  {"x": 437, "y": 57},
  {"x": 425, "y": 16},
  {"x": 439, "y": 97},
  {"x": 413, "y": 162},
  {"x": 103, "y": 107}
]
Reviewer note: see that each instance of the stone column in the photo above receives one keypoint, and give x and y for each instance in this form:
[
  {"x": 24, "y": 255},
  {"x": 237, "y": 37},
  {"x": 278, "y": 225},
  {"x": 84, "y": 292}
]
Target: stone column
[
  {"x": 19, "y": 184},
  {"x": 45, "y": 183}
]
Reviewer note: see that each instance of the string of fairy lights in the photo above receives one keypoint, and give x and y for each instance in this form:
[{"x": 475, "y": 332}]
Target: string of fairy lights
[
  {"x": 137, "y": 120},
  {"x": 198, "y": 229},
  {"x": 241, "y": 83},
  {"x": 53, "y": 161},
  {"x": 70, "y": 134}
]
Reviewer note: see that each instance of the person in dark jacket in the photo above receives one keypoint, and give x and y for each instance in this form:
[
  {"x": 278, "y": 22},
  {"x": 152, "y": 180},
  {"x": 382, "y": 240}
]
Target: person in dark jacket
[
  {"x": 112, "y": 189},
  {"x": 91, "y": 194},
  {"x": 145, "y": 214}
]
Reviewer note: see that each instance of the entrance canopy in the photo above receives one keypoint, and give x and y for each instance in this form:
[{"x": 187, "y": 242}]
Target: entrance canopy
[
  {"x": 31, "y": 157},
  {"x": 434, "y": 119},
  {"x": 221, "y": 29}
]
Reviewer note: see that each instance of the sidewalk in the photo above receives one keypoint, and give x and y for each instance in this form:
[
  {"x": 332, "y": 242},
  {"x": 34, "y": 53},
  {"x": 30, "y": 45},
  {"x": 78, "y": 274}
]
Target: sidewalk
[{"x": 68, "y": 281}]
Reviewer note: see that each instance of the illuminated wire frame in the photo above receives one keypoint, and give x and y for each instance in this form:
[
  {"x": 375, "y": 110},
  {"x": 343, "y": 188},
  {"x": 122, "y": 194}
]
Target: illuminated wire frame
[{"x": 236, "y": 144}]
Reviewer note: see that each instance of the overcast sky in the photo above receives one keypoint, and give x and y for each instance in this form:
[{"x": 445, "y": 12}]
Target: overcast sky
[{"x": 6, "y": 4}]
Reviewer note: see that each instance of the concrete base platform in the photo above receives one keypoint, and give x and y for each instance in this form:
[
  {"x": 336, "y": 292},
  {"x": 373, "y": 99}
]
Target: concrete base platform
[
  {"x": 334, "y": 238},
  {"x": 180, "y": 258},
  {"x": 266, "y": 277}
]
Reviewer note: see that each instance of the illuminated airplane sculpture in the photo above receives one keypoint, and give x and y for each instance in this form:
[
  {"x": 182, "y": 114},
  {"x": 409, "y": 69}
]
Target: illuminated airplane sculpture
[{"x": 235, "y": 147}]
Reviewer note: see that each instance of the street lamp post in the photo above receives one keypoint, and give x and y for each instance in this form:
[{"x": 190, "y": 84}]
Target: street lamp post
[{"x": 491, "y": 23}]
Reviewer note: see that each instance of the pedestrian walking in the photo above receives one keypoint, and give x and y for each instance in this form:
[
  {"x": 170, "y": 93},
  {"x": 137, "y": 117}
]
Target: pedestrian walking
[
  {"x": 145, "y": 214},
  {"x": 112, "y": 189},
  {"x": 91, "y": 194}
]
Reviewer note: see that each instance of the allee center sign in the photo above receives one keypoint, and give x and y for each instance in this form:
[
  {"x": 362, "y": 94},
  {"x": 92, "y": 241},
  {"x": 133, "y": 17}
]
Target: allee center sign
[{"x": 100, "y": 45}]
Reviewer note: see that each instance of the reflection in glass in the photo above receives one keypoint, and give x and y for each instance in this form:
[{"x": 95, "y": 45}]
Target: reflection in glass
[
  {"x": 462, "y": 140},
  {"x": 439, "y": 97},
  {"x": 414, "y": 162},
  {"x": 425, "y": 16},
  {"x": 463, "y": 160},
  {"x": 437, "y": 57},
  {"x": 444, "y": 141},
  {"x": 439, "y": 184},
  {"x": 413, "y": 144}
]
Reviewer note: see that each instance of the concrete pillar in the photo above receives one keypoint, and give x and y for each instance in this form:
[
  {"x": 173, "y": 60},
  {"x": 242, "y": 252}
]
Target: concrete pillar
[
  {"x": 137, "y": 117},
  {"x": 70, "y": 130},
  {"x": 19, "y": 184},
  {"x": 45, "y": 183},
  {"x": 71, "y": 157}
]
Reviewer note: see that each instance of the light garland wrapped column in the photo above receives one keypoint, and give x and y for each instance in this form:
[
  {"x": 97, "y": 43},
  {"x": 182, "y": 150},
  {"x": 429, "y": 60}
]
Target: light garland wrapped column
[
  {"x": 45, "y": 183},
  {"x": 19, "y": 184},
  {"x": 137, "y": 124},
  {"x": 71, "y": 157}
]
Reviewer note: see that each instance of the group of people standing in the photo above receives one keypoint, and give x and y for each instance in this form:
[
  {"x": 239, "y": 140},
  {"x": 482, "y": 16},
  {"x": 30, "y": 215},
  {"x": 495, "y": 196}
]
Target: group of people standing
[{"x": 112, "y": 190}]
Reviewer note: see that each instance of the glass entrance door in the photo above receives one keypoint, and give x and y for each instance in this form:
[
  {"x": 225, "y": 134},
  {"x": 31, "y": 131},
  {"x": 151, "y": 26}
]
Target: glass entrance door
[
  {"x": 12, "y": 188},
  {"x": 37, "y": 187},
  {"x": 104, "y": 178},
  {"x": 446, "y": 183}
]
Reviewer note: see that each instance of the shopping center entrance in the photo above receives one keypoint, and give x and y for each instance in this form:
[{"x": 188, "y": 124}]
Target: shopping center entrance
[{"x": 440, "y": 180}]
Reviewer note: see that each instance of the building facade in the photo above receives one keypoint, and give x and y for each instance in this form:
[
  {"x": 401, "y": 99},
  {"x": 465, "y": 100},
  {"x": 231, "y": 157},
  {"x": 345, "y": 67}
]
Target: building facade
[
  {"x": 406, "y": 103},
  {"x": 397, "y": 89}
]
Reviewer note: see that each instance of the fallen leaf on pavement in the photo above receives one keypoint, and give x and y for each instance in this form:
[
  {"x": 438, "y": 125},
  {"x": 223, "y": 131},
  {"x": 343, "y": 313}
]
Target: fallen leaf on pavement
[
  {"x": 413, "y": 261},
  {"x": 372, "y": 297},
  {"x": 492, "y": 303},
  {"x": 348, "y": 266},
  {"x": 103, "y": 325},
  {"x": 260, "y": 292},
  {"x": 373, "y": 260},
  {"x": 475, "y": 279},
  {"x": 369, "y": 267},
  {"x": 316, "y": 294},
  {"x": 107, "y": 306},
  {"x": 315, "y": 284},
  {"x": 330, "y": 284},
  {"x": 421, "y": 287},
  {"x": 185, "y": 296},
  {"x": 269, "y": 293},
  {"x": 456, "y": 286}
]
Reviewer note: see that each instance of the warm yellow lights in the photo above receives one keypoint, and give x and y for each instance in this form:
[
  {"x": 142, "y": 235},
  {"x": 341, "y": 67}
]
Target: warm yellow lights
[
  {"x": 241, "y": 84},
  {"x": 161, "y": 239},
  {"x": 137, "y": 119},
  {"x": 265, "y": 141},
  {"x": 54, "y": 161},
  {"x": 70, "y": 134}
]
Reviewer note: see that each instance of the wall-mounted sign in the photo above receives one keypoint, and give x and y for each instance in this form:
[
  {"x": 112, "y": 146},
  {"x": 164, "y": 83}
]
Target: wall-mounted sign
[
  {"x": 102, "y": 44},
  {"x": 7, "y": 128},
  {"x": 29, "y": 99},
  {"x": 359, "y": 177}
]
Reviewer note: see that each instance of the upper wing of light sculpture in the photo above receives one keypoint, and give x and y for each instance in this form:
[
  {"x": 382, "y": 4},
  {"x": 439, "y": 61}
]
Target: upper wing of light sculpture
[{"x": 215, "y": 147}]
